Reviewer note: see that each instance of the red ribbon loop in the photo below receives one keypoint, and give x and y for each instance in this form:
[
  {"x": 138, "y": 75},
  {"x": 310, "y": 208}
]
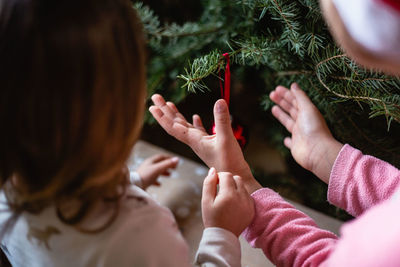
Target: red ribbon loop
[{"x": 226, "y": 89}]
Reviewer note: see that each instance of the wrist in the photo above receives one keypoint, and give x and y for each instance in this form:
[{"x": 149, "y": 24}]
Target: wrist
[
  {"x": 250, "y": 183},
  {"x": 223, "y": 228},
  {"x": 323, "y": 161},
  {"x": 136, "y": 179}
]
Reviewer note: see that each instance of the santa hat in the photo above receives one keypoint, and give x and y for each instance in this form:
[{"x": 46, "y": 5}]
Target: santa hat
[{"x": 375, "y": 24}]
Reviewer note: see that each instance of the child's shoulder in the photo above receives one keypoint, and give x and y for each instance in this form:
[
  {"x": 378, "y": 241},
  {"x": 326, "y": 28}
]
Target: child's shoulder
[
  {"x": 137, "y": 205},
  {"x": 141, "y": 224}
]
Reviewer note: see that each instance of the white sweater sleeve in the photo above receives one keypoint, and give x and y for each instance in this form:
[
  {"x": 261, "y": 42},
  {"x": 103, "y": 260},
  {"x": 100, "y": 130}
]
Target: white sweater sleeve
[{"x": 218, "y": 247}]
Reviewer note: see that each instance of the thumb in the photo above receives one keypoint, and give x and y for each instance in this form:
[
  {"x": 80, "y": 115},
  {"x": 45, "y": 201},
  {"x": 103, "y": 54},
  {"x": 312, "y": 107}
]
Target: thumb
[
  {"x": 222, "y": 119},
  {"x": 210, "y": 187}
]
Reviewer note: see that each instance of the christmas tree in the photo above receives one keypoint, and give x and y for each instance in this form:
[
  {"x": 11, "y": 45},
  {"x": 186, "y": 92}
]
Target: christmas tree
[{"x": 278, "y": 42}]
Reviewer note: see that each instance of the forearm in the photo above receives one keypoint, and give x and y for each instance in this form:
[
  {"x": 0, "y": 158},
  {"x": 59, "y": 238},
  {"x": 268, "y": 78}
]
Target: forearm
[
  {"x": 134, "y": 178},
  {"x": 252, "y": 185},
  {"x": 359, "y": 182},
  {"x": 287, "y": 236},
  {"x": 324, "y": 160}
]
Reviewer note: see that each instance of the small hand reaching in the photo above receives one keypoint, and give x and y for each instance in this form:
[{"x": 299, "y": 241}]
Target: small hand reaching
[
  {"x": 230, "y": 207},
  {"x": 220, "y": 150},
  {"x": 155, "y": 166},
  {"x": 311, "y": 144}
]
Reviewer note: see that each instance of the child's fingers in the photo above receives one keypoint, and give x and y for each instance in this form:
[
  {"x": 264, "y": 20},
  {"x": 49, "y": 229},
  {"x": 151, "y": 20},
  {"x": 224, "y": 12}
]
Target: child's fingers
[
  {"x": 159, "y": 101},
  {"x": 283, "y": 118},
  {"x": 289, "y": 97},
  {"x": 301, "y": 97},
  {"x": 165, "y": 121},
  {"x": 285, "y": 102},
  {"x": 210, "y": 187},
  {"x": 157, "y": 158},
  {"x": 226, "y": 182},
  {"x": 197, "y": 123},
  {"x": 222, "y": 120},
  {"x": 177, "y": 113},
  {"x": 286, "y": 94},
  {"x": 288, "y": 108},
  {"x": 178, "y": 130},
  {"x": 288, "y": 142},
  {"x": 174, "y": 108},
  {"x": 178, "y": 117},
  {"x": 166, "y": 164}
]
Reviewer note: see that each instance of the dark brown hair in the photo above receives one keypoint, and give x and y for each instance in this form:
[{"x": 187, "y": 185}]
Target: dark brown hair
[{"x": 72, "y": 92}]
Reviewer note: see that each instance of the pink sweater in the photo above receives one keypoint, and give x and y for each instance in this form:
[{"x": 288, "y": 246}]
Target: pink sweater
[{"x": 362, "y": 185}]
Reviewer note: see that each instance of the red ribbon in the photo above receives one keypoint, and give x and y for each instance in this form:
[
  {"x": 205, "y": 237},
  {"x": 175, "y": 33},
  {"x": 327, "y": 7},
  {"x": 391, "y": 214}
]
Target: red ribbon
[
  {"x": 237, "y": 129},
  {"x": 226, "y": 89}
]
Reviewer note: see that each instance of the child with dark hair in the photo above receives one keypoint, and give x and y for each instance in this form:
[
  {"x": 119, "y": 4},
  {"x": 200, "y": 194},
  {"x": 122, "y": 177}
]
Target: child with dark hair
[{"x": 72, "y": 96}]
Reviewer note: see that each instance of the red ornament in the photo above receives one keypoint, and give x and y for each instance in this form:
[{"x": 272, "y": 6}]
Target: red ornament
[{"x": 239, "y": 131}]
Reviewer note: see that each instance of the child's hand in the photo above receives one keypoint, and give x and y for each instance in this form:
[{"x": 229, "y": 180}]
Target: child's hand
[
  {"x": 155, "y": 166},
  {"x": 220, "y": 150},
  {"x": 231, "y": 208},
  {"x": 312, "y": 144}
]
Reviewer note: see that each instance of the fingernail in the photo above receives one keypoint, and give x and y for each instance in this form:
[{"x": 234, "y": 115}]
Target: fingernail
[
  {"x": 211, "y": 172},
  {"x": 175, "y": 159},
  {"x": 295, "y": 86},
  {"x": 221, "y": 107}
]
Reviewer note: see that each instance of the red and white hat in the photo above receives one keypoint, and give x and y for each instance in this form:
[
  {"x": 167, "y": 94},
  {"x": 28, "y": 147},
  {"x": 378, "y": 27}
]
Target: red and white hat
[{"x": 375, "y": 24}]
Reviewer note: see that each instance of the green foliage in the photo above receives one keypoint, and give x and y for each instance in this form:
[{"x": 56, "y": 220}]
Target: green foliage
[
  {"x": 200, "y": 69},
  {"x": 284, "y": 41}
]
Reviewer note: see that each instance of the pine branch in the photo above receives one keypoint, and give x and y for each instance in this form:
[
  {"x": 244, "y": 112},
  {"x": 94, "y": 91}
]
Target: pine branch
[
  {"x": 152, "y": 26},
  {"x": 200, "y": 69}
]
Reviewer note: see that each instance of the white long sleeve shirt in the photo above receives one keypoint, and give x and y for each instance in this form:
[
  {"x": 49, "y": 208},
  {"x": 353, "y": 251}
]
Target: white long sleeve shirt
[{"x": 143, "y": 234}]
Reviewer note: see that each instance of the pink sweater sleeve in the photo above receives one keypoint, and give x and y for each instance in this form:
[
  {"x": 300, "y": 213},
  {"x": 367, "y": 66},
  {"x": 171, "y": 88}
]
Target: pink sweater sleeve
[
  {"x": 287, "y": 236},
  {"x": 290, "y": 238},
  {"x": 358, "y": 182}
]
